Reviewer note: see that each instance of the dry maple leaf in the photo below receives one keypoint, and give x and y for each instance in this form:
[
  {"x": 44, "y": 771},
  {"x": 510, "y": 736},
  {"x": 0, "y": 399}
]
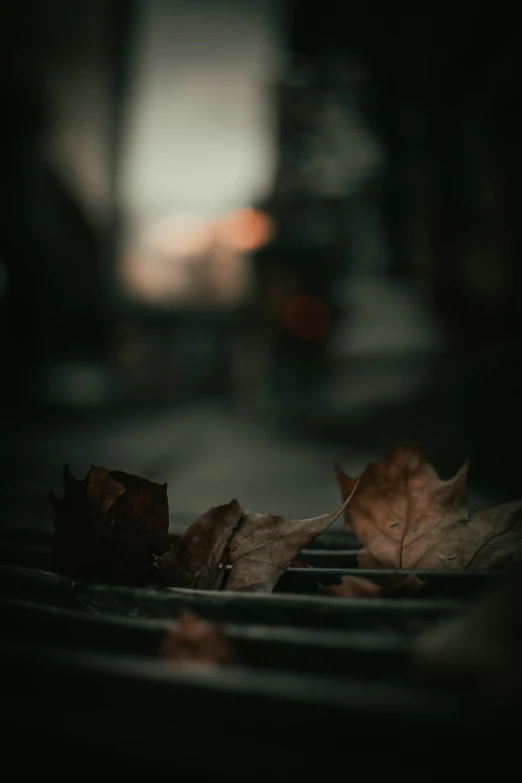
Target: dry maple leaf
[
  {"x": 406, "y": 517},
  {"x": 109, "y": 526},
  {"x": 258, "y": 547},
  {"x": 361, "y": 587},
  {"x": 193, "y": 642}
]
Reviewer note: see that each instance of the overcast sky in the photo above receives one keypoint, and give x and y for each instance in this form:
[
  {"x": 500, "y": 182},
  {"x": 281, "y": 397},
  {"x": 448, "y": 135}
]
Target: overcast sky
[{"x": 200, "y": 131}]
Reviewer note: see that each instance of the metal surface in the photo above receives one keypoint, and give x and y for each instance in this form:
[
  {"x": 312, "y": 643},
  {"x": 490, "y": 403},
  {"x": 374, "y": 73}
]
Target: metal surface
[{"x": 321, "y": 679}]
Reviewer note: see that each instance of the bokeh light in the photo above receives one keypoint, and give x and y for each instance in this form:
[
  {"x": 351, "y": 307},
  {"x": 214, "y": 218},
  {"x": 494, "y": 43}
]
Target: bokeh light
[{"x": 249, "y": 229}]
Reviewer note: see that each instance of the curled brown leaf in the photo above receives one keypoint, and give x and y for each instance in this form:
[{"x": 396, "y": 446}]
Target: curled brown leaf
[
  {"x": 403, "y": 584},
  {"x": 229, "y": 548},
  {"x": 109, "y": 526}
]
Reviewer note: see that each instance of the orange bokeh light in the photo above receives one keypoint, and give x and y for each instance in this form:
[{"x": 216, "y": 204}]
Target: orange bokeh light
[
  {"x": 307, "y": 317},
  {"x": 249, "y": 229}
]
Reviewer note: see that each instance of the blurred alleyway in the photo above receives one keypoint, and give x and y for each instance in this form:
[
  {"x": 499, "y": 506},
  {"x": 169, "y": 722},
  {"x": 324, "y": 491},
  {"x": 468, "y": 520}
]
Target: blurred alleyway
[{"x": 388, "y": 154}]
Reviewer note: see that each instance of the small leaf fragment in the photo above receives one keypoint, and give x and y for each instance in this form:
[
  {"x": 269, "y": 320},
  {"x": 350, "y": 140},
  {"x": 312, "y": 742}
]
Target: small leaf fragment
[
  {"x": 354, "y": 587},
  {"x": 361, "y": 587},
  {"x": 403, "y": 584},
  {"x": 194, "y": 643}
]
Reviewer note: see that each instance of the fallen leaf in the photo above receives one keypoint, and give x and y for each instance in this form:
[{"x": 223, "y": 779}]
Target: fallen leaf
[
  {"x": 354, "y": 587},
  {"x": 361, "y": 587},
  {"x": 196, "y": 558},
  {"x": 482, "y": 649},
  {"x": 258, "y": 547},
  {"x": 109, "y": 526},
  {"x": 403, "y": 584},
  {"x": 407, "y": 518},
  {"x": 193, "y": 642}
]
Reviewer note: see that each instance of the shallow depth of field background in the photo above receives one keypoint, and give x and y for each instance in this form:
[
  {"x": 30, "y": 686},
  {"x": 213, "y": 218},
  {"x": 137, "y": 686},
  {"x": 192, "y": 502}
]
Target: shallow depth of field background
[{"x": 242, "y": 240}]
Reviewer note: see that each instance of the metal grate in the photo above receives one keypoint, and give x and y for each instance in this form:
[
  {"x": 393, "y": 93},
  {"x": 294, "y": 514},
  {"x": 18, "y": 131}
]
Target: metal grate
[{"x": 319, "y": 675}]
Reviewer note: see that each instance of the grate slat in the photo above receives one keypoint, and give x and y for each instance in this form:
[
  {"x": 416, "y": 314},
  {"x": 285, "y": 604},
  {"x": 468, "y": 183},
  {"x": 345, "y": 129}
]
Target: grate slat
[
  {"x": 384, "y": 614},
  {"x": 314, "y": 668}
]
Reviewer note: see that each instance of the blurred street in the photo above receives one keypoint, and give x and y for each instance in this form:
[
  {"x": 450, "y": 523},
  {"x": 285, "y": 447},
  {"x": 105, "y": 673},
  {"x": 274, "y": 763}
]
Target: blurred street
[
  {"x": 242, "y": 240},
  {"x": 207, "y": 455}
]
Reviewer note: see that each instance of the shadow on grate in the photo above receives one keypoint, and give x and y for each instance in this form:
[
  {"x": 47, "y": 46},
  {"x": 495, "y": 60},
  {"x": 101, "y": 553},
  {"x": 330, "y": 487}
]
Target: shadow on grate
[{"x": 320, "y": 679}]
